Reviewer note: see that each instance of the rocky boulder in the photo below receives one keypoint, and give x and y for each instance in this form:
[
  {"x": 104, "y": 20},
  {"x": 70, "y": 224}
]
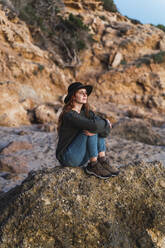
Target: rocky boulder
[
  {"x": 47, "y": 113},
  {"x": 117, "y": 60},
  {"x": 63, "y": 207},
  {"x": 16, "y": 146},
  {"x": 11, "y": 159},
  {"x": 137, "y": 130}
]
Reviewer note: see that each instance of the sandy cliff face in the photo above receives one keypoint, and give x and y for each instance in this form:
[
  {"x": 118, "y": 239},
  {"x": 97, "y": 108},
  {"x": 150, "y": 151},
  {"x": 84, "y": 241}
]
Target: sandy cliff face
[
  {"x": 28, "y": 76},
  {"x": 125, "y": 63}
]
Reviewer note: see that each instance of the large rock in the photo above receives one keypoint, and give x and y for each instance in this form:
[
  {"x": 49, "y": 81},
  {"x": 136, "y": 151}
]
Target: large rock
[
  {"x": 14, "y": 164},
  {"x": 117, "y": 59},
  {"x": 66, "y": 208},
  {"x": 137, "y": 130},
  {"x": 47, "y": 113},
  {"x": 16, "y": 146},
  {"x": 11, "y": 160}
]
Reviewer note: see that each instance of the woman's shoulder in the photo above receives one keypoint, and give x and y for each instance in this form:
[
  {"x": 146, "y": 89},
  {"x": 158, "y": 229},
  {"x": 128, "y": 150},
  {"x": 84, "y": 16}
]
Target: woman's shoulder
[
  {"x": 73, "y": 113},
  {"x": 70, "y": 113}
]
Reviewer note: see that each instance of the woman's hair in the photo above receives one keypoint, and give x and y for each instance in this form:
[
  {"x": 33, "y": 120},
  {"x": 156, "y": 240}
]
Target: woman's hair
[{"x": 67, "y": 107}]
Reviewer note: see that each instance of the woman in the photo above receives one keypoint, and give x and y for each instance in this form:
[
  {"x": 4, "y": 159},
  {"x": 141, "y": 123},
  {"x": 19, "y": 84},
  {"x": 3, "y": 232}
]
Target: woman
[{"x": 82, "y": 134}]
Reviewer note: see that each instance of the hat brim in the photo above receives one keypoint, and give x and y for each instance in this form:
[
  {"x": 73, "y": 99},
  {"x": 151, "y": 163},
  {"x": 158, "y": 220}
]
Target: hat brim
[{"x": 88, "y": 88}]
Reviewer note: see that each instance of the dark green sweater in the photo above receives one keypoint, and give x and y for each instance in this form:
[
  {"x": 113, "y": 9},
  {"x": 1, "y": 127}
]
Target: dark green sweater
[{"x": 73, "y": 123}]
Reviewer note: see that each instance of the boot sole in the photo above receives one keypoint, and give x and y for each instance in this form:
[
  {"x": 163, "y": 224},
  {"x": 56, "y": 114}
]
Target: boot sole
[
  {"x": 115, "y": 174},
  {"x": 94, "y": 174}
]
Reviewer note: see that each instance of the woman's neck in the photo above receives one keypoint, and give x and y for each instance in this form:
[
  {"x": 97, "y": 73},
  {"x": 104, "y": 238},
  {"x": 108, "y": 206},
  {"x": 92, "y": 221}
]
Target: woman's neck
[{"x": 77, "y": 107}]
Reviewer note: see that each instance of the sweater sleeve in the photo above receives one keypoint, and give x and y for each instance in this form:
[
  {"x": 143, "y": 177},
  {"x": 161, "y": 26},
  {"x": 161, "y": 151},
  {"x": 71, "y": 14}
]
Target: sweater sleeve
[
  {"x": 95, "y": 125},
  {"x": 104, "y": 132}
]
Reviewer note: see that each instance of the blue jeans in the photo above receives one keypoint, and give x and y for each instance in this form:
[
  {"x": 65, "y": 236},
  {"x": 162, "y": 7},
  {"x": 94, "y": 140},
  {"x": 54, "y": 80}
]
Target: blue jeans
[{"x": 82, "y": 149}]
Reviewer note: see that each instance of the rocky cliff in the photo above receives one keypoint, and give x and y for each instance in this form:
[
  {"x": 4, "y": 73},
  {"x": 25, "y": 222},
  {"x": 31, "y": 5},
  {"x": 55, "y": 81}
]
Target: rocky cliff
[
  {"x": 45, "y": 45},
  {"x": 66, "y": 208}
]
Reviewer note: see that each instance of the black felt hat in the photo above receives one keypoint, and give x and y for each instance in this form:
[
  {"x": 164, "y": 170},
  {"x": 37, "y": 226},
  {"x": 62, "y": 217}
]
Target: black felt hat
[{"x": 77, "y": 86}]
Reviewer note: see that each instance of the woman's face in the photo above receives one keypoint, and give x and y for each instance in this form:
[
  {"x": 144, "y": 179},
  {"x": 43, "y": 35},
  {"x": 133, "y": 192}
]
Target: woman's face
[{"x": 81, "y": 96}]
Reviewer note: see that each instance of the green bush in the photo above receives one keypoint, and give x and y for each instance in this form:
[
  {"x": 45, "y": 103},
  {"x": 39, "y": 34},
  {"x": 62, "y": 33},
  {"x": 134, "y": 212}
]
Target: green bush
[
  {"x": 74, "y": 23},
  {"x": 123, "y": 62},
  {"x": 29, "y": 15},
  {"x": 103, "y": 18},
  {"x": 134, "y": 21},
  {"x": 68, "y": 35},
  {"x": 160, "y": 26},
  {"x": 159, "y": 57},
  {"x": 91, "y": 39},
  {"x": 145, "y": 61},
  {"x": 40, "y": 67},
  {"x": 80, "y": 45},
  {"x": 109, "y": 5},
  {"x": 75, "y": 33}
]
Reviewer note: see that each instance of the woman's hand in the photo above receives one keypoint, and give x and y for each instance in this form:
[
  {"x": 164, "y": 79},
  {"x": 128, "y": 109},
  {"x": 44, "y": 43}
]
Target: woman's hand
[
  {"x": 88, "y": 133},
  {"x": 109, "y": 123}
]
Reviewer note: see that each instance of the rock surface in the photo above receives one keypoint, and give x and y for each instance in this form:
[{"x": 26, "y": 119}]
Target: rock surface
[{"x": 66, "y": 208}]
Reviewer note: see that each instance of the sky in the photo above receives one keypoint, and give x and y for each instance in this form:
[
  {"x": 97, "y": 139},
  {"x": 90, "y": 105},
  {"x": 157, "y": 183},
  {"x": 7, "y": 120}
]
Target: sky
[{"x": 146, "y": 11}]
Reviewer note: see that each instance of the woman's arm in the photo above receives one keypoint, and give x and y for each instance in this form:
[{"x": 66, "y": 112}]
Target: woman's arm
[
  {"x": 103, "y": 132},
  {"x": 81, "y": 122}
]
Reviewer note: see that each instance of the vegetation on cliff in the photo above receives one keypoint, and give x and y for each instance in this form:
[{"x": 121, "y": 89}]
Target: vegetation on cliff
[
  {"x": 109, "y": 5},
  {"x": 67, "y": 33},
  {"x": 161, "y": 26}
]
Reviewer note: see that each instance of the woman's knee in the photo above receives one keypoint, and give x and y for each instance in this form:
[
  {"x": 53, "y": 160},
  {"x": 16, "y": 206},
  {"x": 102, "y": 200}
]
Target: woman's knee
[{"x": 93, "y": 138}]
